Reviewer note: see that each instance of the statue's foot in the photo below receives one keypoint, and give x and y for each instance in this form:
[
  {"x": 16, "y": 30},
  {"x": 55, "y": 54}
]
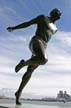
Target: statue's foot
[
  {"x": 18, "y": 103},
  {"x": 17, "y": 97},
  {"x": 19, "y": 66},
  {"x": 64, "y": 101}
]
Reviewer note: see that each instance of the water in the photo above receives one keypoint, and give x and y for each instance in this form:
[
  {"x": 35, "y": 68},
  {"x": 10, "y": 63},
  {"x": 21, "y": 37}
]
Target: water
[{"x": 34, "y": 104}]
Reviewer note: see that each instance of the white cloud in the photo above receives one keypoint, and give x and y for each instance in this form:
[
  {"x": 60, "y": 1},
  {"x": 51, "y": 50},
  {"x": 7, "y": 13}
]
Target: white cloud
[
  {"x": 60, "y": 43},
  {"x": 14, "y": 38},
  {"x": 9, "y": 81},
  {"x": 65, "y": 38}
]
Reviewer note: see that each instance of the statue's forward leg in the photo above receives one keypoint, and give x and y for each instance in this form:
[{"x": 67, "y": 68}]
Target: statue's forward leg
[{"x": 26, "y": 77}]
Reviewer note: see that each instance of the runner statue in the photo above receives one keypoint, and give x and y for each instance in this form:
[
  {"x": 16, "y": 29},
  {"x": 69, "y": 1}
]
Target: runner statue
[{"x": 45, "y": 29}]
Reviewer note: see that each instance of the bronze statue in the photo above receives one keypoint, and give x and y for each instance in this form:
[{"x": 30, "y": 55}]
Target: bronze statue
[{"x": 45, "y": 29}]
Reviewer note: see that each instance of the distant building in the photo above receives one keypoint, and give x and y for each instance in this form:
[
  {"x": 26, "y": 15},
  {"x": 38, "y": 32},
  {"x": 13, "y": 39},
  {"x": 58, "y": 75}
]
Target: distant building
[
  {"x": 60, "y": 94},
  {"x": 63, "y": 96}
]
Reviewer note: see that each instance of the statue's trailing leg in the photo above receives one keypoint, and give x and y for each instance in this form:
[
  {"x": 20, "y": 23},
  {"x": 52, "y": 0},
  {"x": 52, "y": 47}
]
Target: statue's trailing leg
[{"x": 26, "y": 77}]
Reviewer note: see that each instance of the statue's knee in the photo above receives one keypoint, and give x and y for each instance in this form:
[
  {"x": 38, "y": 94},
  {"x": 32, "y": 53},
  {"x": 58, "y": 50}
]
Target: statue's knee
[
  {"x": 30, "y": 69},
  {"x": 44, "y": 61}
]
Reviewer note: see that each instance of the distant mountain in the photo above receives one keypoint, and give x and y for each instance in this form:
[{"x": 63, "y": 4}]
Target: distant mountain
[{"x": 4, "y": 97}]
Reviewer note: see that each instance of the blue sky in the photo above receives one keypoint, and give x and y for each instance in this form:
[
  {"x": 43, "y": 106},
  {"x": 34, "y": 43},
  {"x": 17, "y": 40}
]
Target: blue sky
[{"x": 47, "y": 80}]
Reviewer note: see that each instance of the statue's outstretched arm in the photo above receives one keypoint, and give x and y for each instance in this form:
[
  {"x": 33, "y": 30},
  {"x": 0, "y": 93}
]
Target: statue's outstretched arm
[{"x": 23, "y": 25}]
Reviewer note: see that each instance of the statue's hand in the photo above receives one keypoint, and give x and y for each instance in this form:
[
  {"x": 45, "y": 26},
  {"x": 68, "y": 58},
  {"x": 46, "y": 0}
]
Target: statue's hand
[{"x": 10, "y": 29}]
